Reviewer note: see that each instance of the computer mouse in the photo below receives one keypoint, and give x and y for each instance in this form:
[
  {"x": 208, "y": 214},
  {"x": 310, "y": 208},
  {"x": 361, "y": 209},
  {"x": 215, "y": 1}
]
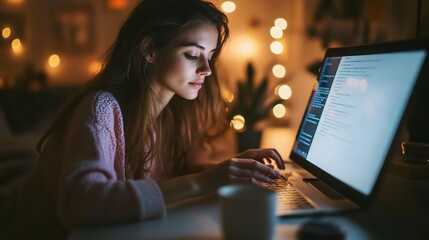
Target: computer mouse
[{"x": 320, "y": 230}]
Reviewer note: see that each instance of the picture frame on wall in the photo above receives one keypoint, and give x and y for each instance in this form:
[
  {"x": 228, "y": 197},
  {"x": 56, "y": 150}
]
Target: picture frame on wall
[{"x": 73, "y": 28}]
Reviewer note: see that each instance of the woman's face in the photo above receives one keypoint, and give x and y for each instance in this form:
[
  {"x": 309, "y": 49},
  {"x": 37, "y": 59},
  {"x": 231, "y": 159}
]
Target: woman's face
[{"x": 185, "y": 63}]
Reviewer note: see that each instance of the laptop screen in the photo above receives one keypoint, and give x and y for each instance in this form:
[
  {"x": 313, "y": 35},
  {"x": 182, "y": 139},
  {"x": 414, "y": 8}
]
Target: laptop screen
[{"x": 354, "y": 114}]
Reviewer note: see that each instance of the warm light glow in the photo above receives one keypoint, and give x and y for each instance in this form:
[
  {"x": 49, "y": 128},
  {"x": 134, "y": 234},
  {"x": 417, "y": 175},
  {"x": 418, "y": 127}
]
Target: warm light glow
[
  {"x": 228, "y": 96},
  {"x": 2, "y": 83},
  {"x": 281, "y": 23},
  {"x": 285, "y": 92},
  {"x": 279, "y": 110},
  {"x": 276, "y": 32},
  {"x": 238, "y": 122},
  {"x": 245, "y": 46},
  {"x": 228, "y": 6},
  {"x": 15, "y": 1},
  {"x": 279, "y": 71},
  {"x": 6, "y": 32},
  {"x": 16, "y": 45},
  {"x": 276, "y": 90},
  {"x": 54, "y": 61},
  {"x": 276, "y": 47},
  {"x": 95, "y": 68},
  {"x": 280, "y": 138},
  {"x": 118, "y": 4}
]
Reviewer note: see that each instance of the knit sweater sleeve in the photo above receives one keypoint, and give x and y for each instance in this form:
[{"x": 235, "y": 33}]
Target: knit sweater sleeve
[{"x": 92, "y": 187}]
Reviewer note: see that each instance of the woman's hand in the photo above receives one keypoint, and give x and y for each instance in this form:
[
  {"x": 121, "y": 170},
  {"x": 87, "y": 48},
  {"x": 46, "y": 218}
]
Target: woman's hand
[
  {"x": 246, "y": 167},
  {"x": 261, "y": 154}
]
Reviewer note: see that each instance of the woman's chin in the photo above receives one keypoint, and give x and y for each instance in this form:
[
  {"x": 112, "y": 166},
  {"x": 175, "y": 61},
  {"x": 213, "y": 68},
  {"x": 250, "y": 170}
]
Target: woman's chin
[{"x": 191, "y": 96}]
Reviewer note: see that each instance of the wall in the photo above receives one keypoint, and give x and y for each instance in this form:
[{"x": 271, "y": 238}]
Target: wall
[
  {"x": 39, "y": 42},
  {"x": 388, "y": 20}
]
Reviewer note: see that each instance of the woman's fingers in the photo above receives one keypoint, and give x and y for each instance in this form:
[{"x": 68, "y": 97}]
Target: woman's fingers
[
  {"x": 254, "y": 169},
  {"x": 252, "y": 174},
  {"x": 244, "y": 180},
  {"x": 260, "y": 154}
]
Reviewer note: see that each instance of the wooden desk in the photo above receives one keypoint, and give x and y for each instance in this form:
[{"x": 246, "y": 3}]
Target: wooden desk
[{"x": 399, "y": 212}]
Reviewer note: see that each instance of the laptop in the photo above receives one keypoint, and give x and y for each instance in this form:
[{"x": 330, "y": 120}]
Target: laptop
[{"x": 350, "y": 124}]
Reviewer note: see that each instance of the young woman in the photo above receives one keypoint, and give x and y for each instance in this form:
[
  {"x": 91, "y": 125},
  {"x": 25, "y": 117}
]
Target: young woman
[{"x": 127, "y": 144}]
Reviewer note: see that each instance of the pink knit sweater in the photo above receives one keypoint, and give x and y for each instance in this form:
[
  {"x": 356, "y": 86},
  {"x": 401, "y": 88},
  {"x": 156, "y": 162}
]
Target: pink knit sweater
[{"x": 82, "y": 181}]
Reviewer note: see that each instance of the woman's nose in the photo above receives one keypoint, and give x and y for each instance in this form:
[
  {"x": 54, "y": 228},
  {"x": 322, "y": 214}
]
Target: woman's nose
[{"x": 204, "y": 68}]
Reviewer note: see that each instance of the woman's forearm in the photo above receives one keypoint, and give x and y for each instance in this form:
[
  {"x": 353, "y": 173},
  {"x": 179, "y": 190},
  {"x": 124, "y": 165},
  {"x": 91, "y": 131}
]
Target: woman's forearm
[
  {"x": 235, "y": 170},
  {"x": 179, "y": 188}
]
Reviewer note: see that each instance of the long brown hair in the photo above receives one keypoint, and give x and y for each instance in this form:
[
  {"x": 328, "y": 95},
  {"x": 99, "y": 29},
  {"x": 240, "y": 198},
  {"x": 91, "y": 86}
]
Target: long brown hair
[{"x": 183, "y": 124}]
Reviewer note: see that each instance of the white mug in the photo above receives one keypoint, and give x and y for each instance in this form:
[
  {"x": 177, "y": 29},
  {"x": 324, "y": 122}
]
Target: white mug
[{"x": 247, "y": 212}]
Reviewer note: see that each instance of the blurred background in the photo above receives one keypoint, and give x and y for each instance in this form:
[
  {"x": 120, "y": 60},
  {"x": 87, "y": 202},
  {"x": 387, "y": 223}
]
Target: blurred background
[{"x": 49, "y": 48}]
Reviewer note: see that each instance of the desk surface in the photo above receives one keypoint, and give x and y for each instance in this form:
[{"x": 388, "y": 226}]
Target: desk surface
[{"x": 399, "y": 212}]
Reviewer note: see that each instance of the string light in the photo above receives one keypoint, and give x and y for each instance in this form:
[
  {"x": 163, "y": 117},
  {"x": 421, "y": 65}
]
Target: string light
[
  {"x": 281, "y": 23},
  {"x": 6, "y": 32},
  {"x": 228, "y": 6},
  {"x": 279, "y": 71},
  {"x": 285, "y": 92},
  {"x": 16, "y": 45},
  {"x": 276, "y": 47},
  {"x": 54, "y": 61},
  {"x": 238, "y": 122},
  {"x": 276, "y": 32},
  {"x": 279, "y": 110}
]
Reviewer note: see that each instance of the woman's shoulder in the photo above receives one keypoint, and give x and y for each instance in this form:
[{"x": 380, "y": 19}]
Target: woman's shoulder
[
  {"x": 101, "y": 105},
  {"x": 101, "y": 98}
]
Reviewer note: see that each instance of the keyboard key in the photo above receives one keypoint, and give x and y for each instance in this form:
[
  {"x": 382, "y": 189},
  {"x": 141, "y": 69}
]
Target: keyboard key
[{"x": 288, "y": 198}]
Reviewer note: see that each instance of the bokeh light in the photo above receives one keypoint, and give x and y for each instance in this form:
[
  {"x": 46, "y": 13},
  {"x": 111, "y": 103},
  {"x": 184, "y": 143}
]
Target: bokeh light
[
  {"x": 54, "y": 61},
  {"x": 15, "y": 1},
  {"x": 279, "y": 110},
  {"x": 118, "y": 4},
  {"x": 94, "y": 68},
  {"x": 6, "y": 32},
  {"x": 285, "y": 92},
  {"x": 276, "y": 47},
  {"x": 228, "y": 95},
  {"x": 279, "y": 71},
  {"x": 228, "y": 6},
  {"x": 238, "y": 122},
  {"x": 16, "y": 45},
  {"x": 281, "y": 23},
  {"x": 276, "y": 32}
]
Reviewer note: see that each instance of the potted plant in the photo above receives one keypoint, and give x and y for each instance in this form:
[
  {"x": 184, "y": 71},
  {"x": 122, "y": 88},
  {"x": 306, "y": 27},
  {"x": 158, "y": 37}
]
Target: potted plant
[{"x": 249, "y": 107}]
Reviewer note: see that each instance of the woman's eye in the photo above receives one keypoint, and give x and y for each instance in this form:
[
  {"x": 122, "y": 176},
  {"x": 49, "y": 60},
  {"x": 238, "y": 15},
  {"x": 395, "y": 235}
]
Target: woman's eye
[{"x": 190, "y": 57}]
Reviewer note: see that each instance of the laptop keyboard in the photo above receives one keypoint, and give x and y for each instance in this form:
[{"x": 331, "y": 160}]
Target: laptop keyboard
[{"x": 288, "y": 198}]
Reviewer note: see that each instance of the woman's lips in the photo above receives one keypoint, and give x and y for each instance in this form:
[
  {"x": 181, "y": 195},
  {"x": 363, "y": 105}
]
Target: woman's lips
[{"x": 197, "y": 84}]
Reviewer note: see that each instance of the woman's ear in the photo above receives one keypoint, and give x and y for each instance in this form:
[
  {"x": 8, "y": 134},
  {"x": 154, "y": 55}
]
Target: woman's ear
[{"x": 146, "y": 46}]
